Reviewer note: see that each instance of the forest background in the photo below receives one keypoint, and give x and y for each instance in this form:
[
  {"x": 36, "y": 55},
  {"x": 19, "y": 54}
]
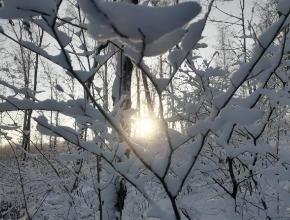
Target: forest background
[{"x": 144, "y": 109}]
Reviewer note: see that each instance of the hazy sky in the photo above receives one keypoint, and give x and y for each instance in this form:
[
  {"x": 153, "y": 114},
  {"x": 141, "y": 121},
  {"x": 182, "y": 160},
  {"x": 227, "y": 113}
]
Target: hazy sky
[{"x": 230, "y": 7}]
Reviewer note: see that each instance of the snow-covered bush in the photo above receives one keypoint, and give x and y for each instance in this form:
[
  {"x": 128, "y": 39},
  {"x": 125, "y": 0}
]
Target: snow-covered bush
[{"x": 223, "y": 151}]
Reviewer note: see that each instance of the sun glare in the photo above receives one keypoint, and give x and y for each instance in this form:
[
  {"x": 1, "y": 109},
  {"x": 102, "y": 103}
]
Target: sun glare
[{"x": 146, "y": 127}]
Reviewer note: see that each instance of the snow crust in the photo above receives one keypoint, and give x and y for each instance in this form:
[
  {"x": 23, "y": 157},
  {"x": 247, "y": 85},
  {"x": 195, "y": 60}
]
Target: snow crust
[
  {"x": 14, "y": 9},
  {"x": 137, "y": 22}
]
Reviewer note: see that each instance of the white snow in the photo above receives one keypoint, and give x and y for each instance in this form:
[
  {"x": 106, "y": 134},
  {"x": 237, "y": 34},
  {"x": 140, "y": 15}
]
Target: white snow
[
  {"x": 138, "y": 22},
  {"x": 14, "y": 9}
]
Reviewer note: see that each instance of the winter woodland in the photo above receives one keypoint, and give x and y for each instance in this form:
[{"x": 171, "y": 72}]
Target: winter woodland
[{"x": 129, "y": 109}]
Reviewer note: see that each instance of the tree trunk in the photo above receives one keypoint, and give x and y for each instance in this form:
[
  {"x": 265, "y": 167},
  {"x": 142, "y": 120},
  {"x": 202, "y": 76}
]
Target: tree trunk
[
  {"x": 147, "y": 95},
  {"x": 122, "y": 86},
  {"x": 138, "y": 101}
]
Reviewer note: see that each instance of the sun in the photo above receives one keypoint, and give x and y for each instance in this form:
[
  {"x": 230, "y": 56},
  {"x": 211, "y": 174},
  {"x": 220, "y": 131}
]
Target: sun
[
  {"x": 146, "y": 127},
  {"x": 146, "y": 124}
]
